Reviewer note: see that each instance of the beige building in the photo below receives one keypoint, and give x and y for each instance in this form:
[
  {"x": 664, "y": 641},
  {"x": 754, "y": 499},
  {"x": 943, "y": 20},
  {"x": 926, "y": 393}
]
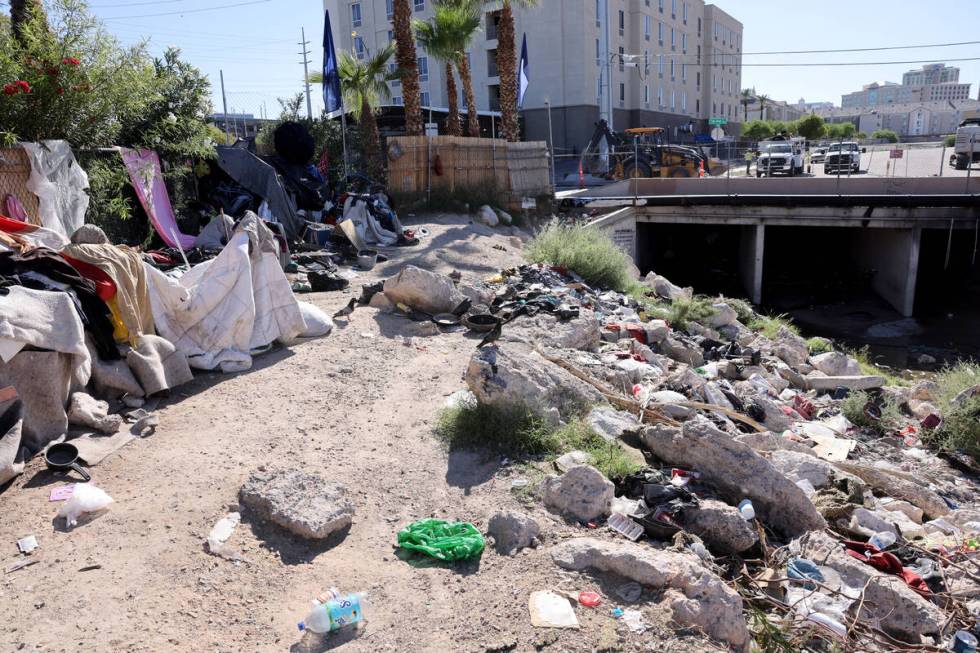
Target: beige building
[
  {"x": 931, "y": 83},
  {"x": 907, "y": 120},
  {"x": 669, "y": 63}
]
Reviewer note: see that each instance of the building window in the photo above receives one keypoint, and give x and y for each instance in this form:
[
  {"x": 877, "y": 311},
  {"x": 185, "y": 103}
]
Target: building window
[
  {"x": 392, "y": 69},
  {"x": 419, "y": 5},
  {"x": 622, "y": 22},
  {"x": 671, "y": 69},
  {"x": 359, "y": 48},
  {"x": 647, "y": 27},
  {"x": 622, "y": 94},
  {"x": 699, "y": 28},
  {"x": 661, "y": 65},
  {"x": 355, "y": 14},
  {"x": 684, "y": 102},
  {"x": 390, "y": 8},
  {"x": 622, "y": 59},
  {"x": 684, "y": 42},
  {"x": 699, "y": 80},
  {"x": 646, "y": 95},
  {"x": 673, "y": 8},
  {"x": 660, "y": 31},
  {"x": 660, "y": 97},
  {"x": 673, "y": 103},
  {"x": 492, "y": 63},
  {"x": 598, "y": 17},
  {"x": 683, "y": 72},
  {"x": 685, "y": 13},
  {"x": 423, "y": 66},
  {"x": 673, "y": 39},
  {"x": 697, "y": 107},
  {"x": 598, "y": 53},
  {"x": 661, "y": 6},
  {"x": 397, "y": 100},
  {"x": 391, "y": 36},
  {"x": 425, "y": 98}
]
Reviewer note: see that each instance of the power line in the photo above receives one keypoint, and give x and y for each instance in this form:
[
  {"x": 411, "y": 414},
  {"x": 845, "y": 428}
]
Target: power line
[
  {"x": 190, "y": 11},
  {"x": 879, "y": 49},
  {"x": 135, "y": 4},
  {"x": 838, "y": 63}
]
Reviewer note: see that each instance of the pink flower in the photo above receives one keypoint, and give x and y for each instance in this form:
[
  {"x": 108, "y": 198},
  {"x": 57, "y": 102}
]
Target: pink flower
[
  {"x": 72, "y": 61},
  {"x": 24, "y": 86}
]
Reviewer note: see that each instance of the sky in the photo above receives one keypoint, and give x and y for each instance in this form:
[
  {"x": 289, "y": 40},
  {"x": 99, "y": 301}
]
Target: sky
[{"x": 256, "y": 42}]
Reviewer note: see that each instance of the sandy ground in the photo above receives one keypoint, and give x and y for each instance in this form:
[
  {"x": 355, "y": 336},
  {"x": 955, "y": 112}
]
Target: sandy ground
[{"x": 356, "y": 407}]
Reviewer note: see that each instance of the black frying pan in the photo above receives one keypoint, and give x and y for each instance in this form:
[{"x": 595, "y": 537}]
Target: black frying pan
[{"x": 63, "y": 457}]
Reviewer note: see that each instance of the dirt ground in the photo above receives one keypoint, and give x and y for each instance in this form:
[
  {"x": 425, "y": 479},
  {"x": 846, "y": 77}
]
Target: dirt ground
[{"x": 356, "y": 407}]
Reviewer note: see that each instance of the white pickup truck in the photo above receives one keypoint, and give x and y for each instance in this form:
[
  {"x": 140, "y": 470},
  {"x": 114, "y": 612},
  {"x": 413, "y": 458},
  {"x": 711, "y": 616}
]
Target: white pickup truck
[
  {"x": 966, "y": 152},
  {"x": 843, "y": 157},
  {"x": 780, "y": 156}
]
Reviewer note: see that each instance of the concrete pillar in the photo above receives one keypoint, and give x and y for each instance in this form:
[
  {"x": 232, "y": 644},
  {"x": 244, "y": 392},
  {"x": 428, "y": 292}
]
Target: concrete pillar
[
  {"x": 751, "y": 253},
  {"x": 892, "y": 255}
]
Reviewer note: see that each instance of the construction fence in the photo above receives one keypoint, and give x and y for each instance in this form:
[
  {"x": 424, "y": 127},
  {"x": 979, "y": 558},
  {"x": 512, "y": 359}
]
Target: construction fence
[
  {"x": 15, "y": 170},
  {"x": 418, "y": 165}
]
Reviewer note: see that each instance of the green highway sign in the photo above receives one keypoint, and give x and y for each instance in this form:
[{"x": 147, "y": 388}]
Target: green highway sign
[{"x": 717, "y": 122}]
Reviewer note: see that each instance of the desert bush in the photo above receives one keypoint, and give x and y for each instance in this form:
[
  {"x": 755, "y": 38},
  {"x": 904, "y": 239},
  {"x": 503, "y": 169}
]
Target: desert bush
[{"x": 586, "y": 251}]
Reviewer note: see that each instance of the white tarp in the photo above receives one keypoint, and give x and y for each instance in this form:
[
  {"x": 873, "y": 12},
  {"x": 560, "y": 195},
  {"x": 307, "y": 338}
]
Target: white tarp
[
  {"x": 221, "y": 310},
  {"x": 59, "y": 183},
  {"x": 370, "y": 230}
]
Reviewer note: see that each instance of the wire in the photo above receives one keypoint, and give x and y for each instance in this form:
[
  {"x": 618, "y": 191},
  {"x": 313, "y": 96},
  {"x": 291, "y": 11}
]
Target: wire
[
  {"x": 189, "y": 11},
  {"x": 135, "y": 4},
  {"x": 890, "y": 47},
  {"x": 837, "y": 63}
]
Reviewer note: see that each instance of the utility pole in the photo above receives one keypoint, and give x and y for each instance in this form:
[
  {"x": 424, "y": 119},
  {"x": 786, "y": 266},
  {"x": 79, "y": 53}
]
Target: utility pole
[
  {"x": 224, "y": 103},
  {"x": 306, "y": 72}
]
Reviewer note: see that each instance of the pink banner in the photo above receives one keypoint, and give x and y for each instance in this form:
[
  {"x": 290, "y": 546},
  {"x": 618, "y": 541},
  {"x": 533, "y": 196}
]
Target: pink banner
[{"x": 144, "y": 171}]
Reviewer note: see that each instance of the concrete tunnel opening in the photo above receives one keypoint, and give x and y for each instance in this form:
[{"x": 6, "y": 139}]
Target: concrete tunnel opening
[{"x": 703, "y": 256}]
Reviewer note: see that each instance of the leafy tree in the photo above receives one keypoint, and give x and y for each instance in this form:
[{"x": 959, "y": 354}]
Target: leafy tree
[
  {"x": 447, "y": 36},
  {"x": 757, "y": 130},
  {"x": 363, "y": 83},
  {"x": 507, "y": 67},
  {"x": 861, "y": 136},
  {"x": 811, "y": 127},
  {"x": 778, "y": 126},
  {"x": 23, "y": 12},
  {"x": 887, "y": 134},
  {"x": 762, "y": 106},
  {"x": 840, "y": 130},
  {"x": 408, "y": 65}
]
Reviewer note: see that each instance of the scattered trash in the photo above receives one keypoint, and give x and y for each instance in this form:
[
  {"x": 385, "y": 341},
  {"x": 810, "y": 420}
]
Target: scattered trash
[
  {"x": 882, "y": 540},
  {"x": 551, "y": 610},
  {"x": 589, "y": 599},
  {"x": 616, "y": 612},
  {"x": 334, "y": 611},
  {"x": 806, "y": 570},
  {"x": 17, "y": 566},
  {"x": 519, "y": 483},
  {"x": 964, "y": 642},
  {"x": 219, "y": 535},
  {"x": 62, "y": 493},
  {"x": 625, "y": 526},
  {"x": 630, "y": 592},
  {"x": 26, "y": 545},
  {"x": 90, "y": 568},
  {"x": 634, "y": 621},
  {"x": 85, "y": 499},
  {"x": 747, "y": 510},
  {"x": 443, "y": 540}
]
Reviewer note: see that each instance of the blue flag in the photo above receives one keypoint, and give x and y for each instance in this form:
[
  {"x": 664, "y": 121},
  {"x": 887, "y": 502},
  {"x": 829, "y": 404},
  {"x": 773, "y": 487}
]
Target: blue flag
[
  {"x": 332, "y": 99},
  {"x": 523, "y": 79}
]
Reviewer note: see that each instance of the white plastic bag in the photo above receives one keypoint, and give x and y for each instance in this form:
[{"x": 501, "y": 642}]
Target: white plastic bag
[
  {"x": 85, "y": 498},
  {"x": 318, "y": 323}
]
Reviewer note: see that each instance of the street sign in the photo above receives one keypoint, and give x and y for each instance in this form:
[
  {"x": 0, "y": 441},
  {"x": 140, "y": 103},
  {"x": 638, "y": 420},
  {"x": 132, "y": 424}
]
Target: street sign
[
  {"x": 717, "y": 122},
  {"x": 896, "y": 154},
  {"x": 718, "y": 133},
  {"x": 529, "y": 203}
]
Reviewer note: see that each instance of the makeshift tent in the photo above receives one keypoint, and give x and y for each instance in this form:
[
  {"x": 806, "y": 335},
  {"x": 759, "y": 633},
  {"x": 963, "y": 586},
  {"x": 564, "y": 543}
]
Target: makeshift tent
[
  {"x": 145, "y": 173},
  {"x": 221, "y": 310},
  {"x": 260, "y": 178}
]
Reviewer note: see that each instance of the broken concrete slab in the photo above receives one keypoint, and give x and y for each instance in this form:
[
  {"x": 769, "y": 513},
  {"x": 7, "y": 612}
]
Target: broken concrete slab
[
  {"x": 814, "y": 382},
  {"x": 738, "y": 471},
  {"x": 791, "y": 348},
  {"x": 582, "y": 493},
  {"x": 85, "y": 410},
  {"x": 515, "y": 375},
  {"x": 767, "y": 441},
  {"x": 512, "y": 531},
  {"x": 613, "y": 425},
  {"x": 664, "y": 288},
  {"x": 303, "y": 503},
  {"x": 693, "y": 594},
  {"x": 423, "y": 290},
  {"x": 721, "y": 526},
  {"x": 835, "y": 363},
  {"x": 582, "y": 332},
  {"x": 900, "y": 487},
  {"x": 887, "y": 599},
  {"x": 682, "y": 353}
]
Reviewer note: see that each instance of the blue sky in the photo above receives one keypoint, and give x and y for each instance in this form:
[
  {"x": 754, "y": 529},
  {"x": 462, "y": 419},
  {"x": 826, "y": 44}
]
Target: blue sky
[{"x": 257, "y": 44}]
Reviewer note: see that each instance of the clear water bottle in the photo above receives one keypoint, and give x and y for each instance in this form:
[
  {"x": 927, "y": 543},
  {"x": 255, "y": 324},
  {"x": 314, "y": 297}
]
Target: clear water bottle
[
  {"x": 882, "y": 540},
  {"x": 747, "y": 510},
  {"x": 334, "y": 611}
]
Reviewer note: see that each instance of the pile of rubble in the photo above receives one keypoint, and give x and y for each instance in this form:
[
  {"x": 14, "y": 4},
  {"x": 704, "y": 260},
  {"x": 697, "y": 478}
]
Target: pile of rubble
[{"x": 758, "y": 492}]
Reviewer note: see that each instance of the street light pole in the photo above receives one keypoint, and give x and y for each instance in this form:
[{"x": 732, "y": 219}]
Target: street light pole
[{"x": 551, "y": 146}]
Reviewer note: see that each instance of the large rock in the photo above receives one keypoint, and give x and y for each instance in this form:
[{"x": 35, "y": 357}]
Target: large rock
[
  {"x": 515, "y": 375},
  {"x": 512, "y": 531},
  {"x": 681, "y": 352},
  {"x": 767, "y": 441},
  {"x": 901, "y": 611},
  {"x": 738, "y": 471},
  {"x": 724, "y": 315},
  {"x": 423, "y": 290},
  {"x": 720, "y": 526},
  {"x": 791, "y": 348},
  {"x": 613, "y": 425},
  {"x": 669, "y": 400},
  {"x": 814, "y": 382},
  {"x": 924, "y": 391},
  {"x": 693, "y": 594},
  {"x": 86, "y": 410},
  {"x": 302, "y": 503},
  {"x": 664, "y": 288},
  {"x": 656, "y": 331},
  {"x": 486, "y": 215},
  {"x": 834, "y": 363},
  {"x": 891, "y": 484},
  {"x": 582, "y": 332},
  {"x": 581, "y": 493},
  {"x": 800, "y": 466}
]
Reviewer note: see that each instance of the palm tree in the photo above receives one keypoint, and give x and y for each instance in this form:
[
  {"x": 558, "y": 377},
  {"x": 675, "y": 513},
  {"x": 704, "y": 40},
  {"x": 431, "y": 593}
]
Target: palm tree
[
  {"x": 447, "y": 36},
  {"x": 762, "y": 106},
  {"x": 746, "y": 101},
  {"x": 363, "y": 83},
  {"x": 507, "y": 68},
  {"x": 409, "y": 66},
  {"x": 21, "y": 12}
]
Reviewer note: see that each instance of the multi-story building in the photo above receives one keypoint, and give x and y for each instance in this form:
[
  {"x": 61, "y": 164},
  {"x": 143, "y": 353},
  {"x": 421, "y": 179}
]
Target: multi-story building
[
  {"x": 935, "y": 73},
  {"x": 809, "y": 107},
  {"x": 669, "y": 63},
  {"x": 914, "y": 119},
  {"x": 932, "y": 83}
]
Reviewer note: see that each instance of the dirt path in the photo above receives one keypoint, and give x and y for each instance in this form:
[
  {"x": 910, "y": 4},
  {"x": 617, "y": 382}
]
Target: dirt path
[{"x": 356, "y": 407}]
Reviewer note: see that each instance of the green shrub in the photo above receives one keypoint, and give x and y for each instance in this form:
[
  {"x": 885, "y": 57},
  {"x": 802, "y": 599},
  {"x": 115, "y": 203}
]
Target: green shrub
[
  {"x": 819, "y": 345},
  {"x": 683, "y": 310},
  {"x": 889, "y": 135},
  {"x": 961, "y": 423},
  {"x": 741, "y": 307},
  {"x": 891, "y": 415},
  {"x": 516, "y": 431},
  {"x": 950, "y": 141},
  {"x": 769, "y": 325},
  {"x": 585, "y": 250}
]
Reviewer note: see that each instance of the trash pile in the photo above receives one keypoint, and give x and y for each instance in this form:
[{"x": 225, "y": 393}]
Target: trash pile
[{"x": 759, "y": 495}]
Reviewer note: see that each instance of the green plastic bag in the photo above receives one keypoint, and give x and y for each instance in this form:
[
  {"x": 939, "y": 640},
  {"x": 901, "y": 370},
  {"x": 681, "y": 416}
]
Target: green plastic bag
[{"x": 443, "y": 540}]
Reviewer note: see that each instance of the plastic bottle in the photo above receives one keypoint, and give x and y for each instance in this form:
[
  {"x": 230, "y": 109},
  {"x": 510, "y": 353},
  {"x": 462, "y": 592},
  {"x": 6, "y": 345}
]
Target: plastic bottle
[
  {"x": 747, "y": 510},
  {"x": 333, "y": 611},
  {"x": 882, "y": 540}
]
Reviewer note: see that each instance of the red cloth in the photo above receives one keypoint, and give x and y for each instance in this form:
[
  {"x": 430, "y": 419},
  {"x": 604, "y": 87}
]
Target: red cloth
[
  {"x": 105, "y": 287},
  {"x": 637, "y": 332},
  {"x": 804, "y": 406},
  {"x": 886, "y": 562}
]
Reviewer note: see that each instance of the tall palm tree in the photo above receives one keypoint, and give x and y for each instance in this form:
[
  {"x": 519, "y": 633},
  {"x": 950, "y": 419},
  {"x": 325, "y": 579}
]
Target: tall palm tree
[
  {"x": 21, "y": 11},
  {"x": 363, "y": 83},
  {"x": 447, "y": 36},
  {"x": 746, "y": 101},
  {"x": 408, "y": 64},
  {"x": 762, "y": 106},
  {"x": 507, "y": 67}
]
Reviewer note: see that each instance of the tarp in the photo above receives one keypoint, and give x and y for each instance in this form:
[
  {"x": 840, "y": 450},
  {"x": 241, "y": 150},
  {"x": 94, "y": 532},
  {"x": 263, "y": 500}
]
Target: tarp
[
  {"x": 144, "y": 171},
  {"x": 59, "y": 183},
  {"x": 222, "y": 309},
  {"x": 260, "y": 178}
]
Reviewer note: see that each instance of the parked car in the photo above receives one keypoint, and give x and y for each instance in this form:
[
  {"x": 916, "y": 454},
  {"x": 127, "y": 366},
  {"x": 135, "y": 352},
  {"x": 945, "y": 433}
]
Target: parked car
[
  {"x": 843, "y": 157},
  {"x": 780, "y": 156},
  {"x": 966, "y": 151},
  {"x": 818, "y": 154}
]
